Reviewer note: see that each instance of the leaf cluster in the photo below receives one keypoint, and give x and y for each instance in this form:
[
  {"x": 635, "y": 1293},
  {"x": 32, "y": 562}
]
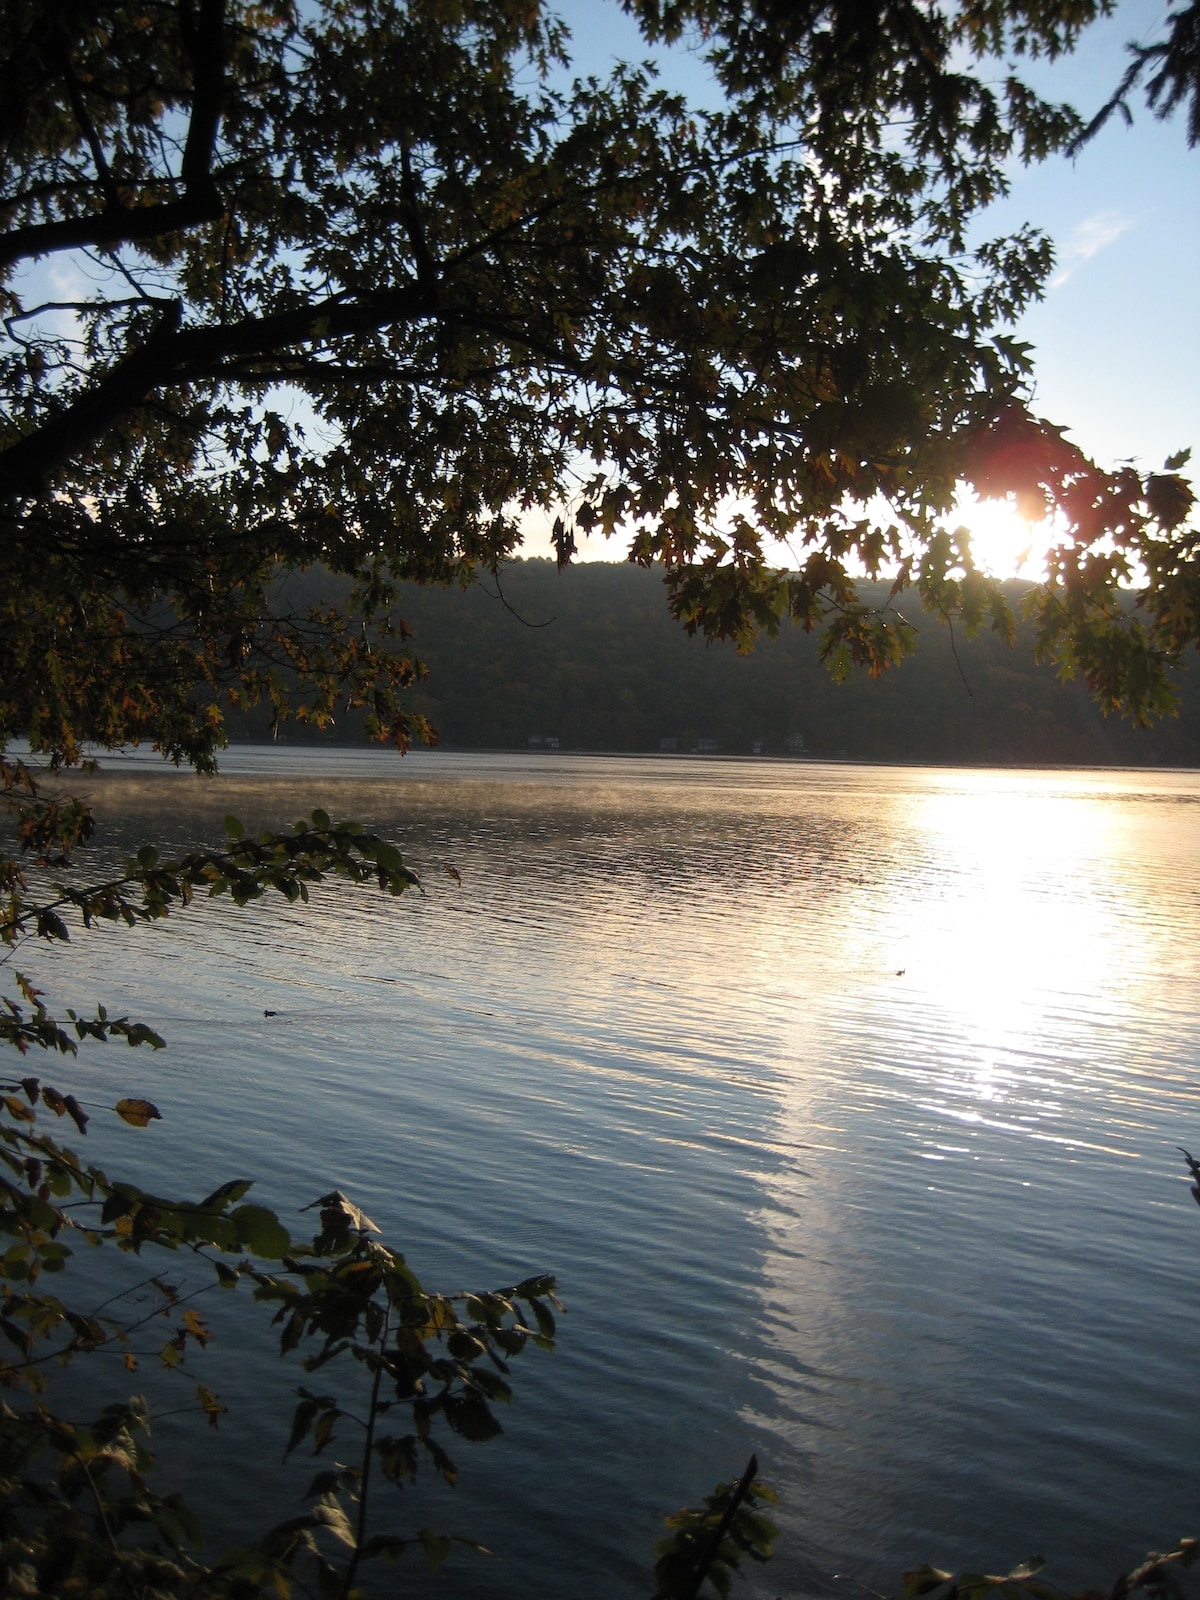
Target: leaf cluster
[
  {"x": 1122, "y": 532},
  {"x": 150, "y": 888},
  {"x": 1158, "y": 1574},
  {"x": 79, "y": 1513},
  {"x": 706, "y": 1543}
]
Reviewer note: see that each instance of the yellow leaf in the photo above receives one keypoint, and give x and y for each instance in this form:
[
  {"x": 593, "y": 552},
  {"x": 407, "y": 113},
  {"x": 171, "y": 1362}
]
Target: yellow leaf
[
  {"x": 139, "y": 1113},
  {"x": 210, "y": 1404},
  {"x": 193, "y": 1324}
]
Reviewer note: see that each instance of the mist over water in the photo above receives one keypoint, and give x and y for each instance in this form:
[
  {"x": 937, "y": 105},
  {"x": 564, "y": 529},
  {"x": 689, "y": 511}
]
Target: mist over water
[{"x": 842, "y": 1100}]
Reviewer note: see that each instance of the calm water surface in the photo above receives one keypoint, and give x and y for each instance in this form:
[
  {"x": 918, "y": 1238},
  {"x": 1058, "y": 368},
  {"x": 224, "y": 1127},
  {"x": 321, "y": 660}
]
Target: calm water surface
[{"x": 842, "y": 1100}]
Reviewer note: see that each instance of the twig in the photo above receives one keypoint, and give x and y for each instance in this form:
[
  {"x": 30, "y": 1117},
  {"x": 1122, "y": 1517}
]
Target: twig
[
  {"x": 721, "y": 1529},
  {"x": 949, "y": 621},
  {"x": 360, "y": 1532},
  {"x": 500, "y": 595},
  {"x": 107, "y": 1526},
  {"x": 108, "y": 186}
]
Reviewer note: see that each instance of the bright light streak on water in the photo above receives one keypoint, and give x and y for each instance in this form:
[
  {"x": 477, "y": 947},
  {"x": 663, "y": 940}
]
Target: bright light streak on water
[{"x": 844, "y": 1102}]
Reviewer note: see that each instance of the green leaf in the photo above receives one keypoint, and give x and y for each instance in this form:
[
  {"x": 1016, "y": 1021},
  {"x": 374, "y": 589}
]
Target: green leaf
[
  {"x": 545, "y": 1320},
  {"x": 384, "y": 1544},
  {"x": 221, "y": 1197},
  {"x": 234, "y": 828},
  {"x": 397, "y": 1458},
  {"x": 323, "y": 1432},
  {"x": 260, "y": 1232},
  {"x": 302, "y": 1421},
  {"x": 470, "y": 1418},
  {"x": 436, "y": 1547}
]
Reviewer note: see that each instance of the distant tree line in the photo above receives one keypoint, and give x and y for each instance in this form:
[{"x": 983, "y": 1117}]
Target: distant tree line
[{"x": 589, "y": 656}]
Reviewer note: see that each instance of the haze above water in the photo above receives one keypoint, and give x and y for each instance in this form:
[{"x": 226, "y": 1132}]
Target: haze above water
[{"x": 844, "y": 1101}]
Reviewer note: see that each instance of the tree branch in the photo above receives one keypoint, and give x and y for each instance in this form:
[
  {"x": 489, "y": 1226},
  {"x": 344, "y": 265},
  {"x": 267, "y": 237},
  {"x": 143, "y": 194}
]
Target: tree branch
[
  {"x": 174, "y": 355},
  {"x": 360, "y": 1533},
  {"x": 410, "y": 216},
  {"x": 205, "y": 44},
  {"x": 201, "y": 200},
  {"x": 112, "y": 198}
]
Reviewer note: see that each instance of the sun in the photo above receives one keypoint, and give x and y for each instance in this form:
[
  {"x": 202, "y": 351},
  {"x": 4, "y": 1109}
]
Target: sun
[{"x": 1003, "y": 542}]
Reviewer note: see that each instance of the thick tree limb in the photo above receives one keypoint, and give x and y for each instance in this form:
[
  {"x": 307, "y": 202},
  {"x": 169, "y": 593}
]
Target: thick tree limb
[
  {"x": 108, "y": 228},
  {"x": 205, "y": 44},
  {"x": 173, "y": 355},
  {"x": 201, "y": 200}
]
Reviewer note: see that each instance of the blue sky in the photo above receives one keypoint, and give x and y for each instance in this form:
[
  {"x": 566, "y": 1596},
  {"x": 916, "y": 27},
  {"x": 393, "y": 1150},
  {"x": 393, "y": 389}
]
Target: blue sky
[{"x": 1117, "y": 337}]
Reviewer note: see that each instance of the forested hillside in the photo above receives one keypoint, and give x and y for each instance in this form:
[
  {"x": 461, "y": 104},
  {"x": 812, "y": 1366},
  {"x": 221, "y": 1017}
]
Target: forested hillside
[{"x": 590, "y": 657}]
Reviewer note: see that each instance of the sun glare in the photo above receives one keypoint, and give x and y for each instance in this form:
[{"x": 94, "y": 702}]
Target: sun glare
[{"x": 1003, "y": 543}]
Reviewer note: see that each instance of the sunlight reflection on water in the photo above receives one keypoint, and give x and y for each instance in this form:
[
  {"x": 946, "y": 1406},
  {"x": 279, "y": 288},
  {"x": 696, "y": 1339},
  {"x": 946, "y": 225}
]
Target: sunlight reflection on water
[{"x": 843, "y": 1100}]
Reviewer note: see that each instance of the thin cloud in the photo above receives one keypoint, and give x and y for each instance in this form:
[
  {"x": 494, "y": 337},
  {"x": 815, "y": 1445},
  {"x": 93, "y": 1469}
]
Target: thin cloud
[{"x": 1086, "y": 240}]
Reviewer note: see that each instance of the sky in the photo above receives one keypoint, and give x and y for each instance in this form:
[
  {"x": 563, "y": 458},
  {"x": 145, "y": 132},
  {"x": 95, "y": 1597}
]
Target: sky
[{"x": 1117, "y": 336}]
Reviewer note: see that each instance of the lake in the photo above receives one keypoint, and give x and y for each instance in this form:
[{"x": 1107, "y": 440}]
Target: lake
[{"x": 844, "y": 1102}]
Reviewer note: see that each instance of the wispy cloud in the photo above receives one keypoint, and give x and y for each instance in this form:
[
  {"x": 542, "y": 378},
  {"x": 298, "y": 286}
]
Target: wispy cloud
[{"x": 1087, "y": 239}]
